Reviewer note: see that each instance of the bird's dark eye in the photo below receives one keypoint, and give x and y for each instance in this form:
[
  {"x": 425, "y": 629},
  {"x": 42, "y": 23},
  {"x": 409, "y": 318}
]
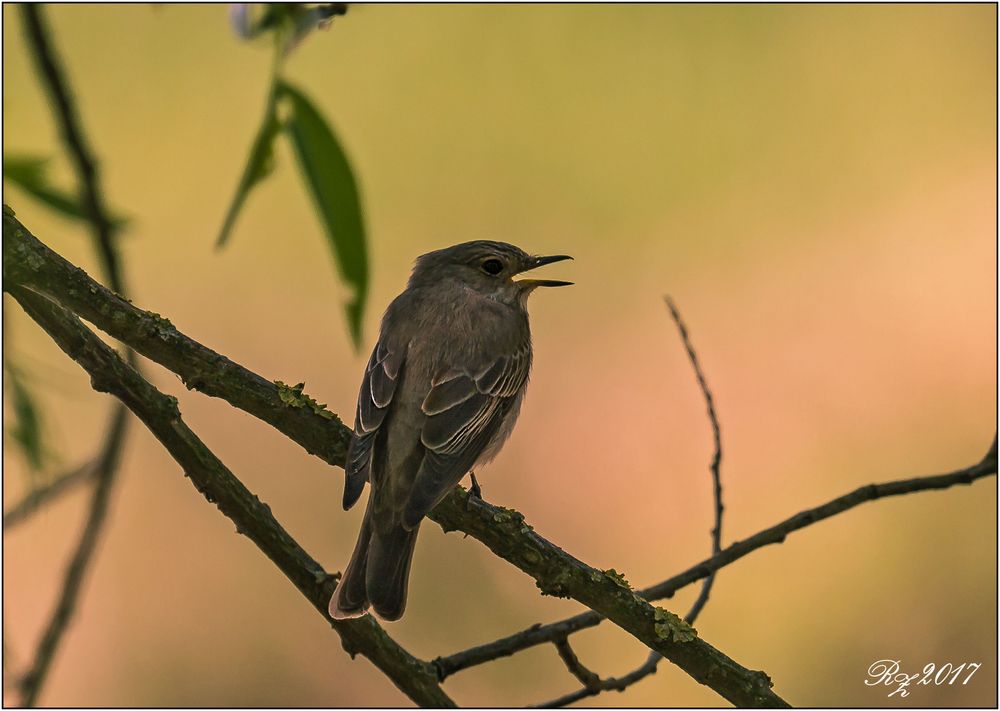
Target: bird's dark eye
[{"x": 492, "y": 266}]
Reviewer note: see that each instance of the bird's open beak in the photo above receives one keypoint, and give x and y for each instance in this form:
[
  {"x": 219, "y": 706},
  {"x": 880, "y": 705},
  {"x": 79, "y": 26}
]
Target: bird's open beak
[{"x": 541, "y": 262}]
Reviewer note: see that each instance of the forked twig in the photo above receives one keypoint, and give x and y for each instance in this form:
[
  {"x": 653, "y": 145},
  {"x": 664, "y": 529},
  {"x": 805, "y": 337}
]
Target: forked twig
[{"x": 593, "y": 684}]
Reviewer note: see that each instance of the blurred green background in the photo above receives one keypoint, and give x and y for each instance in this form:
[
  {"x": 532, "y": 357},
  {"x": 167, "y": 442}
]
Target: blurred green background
[{"x": 814, "y": 185}]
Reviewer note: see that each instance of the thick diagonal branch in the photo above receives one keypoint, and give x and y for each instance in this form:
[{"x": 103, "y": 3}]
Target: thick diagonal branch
[{"x": 218, "y": 485}]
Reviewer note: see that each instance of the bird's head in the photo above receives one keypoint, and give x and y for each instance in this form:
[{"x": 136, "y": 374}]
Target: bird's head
[{"x": 485, "y": 267}]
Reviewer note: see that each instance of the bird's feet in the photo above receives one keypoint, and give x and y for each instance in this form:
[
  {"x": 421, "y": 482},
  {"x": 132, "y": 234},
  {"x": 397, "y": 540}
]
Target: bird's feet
[{"x": 474, "y": 490}]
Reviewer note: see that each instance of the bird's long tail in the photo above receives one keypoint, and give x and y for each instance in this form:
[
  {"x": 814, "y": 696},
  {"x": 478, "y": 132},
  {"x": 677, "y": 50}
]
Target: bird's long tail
[
  {"x": 377, "y": 575},
  {"x": 350, "y": 599},
  {"x": 388, "y": 570}
]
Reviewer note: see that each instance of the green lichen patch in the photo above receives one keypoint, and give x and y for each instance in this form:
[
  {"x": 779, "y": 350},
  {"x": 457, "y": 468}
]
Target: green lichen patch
[
  {"x": 293, "y": 396},
  {"x": 555, "y": 585},
  {"x": 617, "y": 578},
  {"x": 671, "y": 627},
  {"x": 530, "y": 556},
  {"x": 162, "y": 322},
  {"x": 505, "y": 515}
]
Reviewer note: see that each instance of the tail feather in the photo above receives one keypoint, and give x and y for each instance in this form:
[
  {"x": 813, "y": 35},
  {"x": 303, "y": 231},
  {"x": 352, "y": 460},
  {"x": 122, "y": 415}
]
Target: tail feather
[
  {"x": 350, "y": 599},
  {"x": 388, "y": 570}
]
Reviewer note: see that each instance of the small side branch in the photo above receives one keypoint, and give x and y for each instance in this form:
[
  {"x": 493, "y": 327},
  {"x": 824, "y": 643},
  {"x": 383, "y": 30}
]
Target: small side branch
[
  {"x": 595, "y": 686},
  {"x": 589, "y": 679},
  {"x": 706, "y": 588},
  {"x": 615, "y": 683}
]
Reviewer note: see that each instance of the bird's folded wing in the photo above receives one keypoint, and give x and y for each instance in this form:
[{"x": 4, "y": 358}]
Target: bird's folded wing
[
  {"x": 377, "y": 388},
  {"x": 464, "y": 412}
]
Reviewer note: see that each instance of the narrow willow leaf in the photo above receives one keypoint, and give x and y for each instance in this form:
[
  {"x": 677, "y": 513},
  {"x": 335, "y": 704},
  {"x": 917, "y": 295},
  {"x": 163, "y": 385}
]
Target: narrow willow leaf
[
  {"x": 259, "y": 165},
  {"x": 25, "y": 428},
  {"x": 28, "y": 173},
  {"x": 331, "y": 183}
]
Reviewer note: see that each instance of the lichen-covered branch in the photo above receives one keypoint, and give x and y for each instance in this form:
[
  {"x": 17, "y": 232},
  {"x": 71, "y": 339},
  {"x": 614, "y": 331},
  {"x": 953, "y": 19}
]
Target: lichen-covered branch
[
  {"x": 159, "y": 412},
  {"x": 28, "y": 262}
]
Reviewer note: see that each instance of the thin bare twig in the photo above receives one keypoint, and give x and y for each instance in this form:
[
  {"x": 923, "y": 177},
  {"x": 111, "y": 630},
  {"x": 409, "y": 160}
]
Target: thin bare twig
[
  {"x": 589, "y": 679},
  {"x": 619, "y": 683},
  {"x": 706, "y": 588},
  {"x": 596, "y": 685}
]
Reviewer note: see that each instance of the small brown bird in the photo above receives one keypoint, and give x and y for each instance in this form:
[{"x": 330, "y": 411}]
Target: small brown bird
[{"x": 439, "y": 397}]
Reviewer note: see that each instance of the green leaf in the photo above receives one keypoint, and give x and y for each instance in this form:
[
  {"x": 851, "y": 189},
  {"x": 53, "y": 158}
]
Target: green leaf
[
  {"x": 28, "y": 173},
  {"x": 259, "y": 165},
  {"x": 26, "y": 426},
  {"x": 330, "y": 180}
]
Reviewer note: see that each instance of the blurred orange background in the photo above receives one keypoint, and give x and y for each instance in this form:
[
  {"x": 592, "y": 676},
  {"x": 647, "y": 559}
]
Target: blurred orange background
[{"x": 814, "y": 185}]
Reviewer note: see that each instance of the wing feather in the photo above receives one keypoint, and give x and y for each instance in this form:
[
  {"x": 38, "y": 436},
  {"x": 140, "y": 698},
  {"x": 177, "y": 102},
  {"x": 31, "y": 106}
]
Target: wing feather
[
  {"x": 447, "y": 394},
  {"x": 374, "y": 399},
  {"x": 464, "y": 413}
]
